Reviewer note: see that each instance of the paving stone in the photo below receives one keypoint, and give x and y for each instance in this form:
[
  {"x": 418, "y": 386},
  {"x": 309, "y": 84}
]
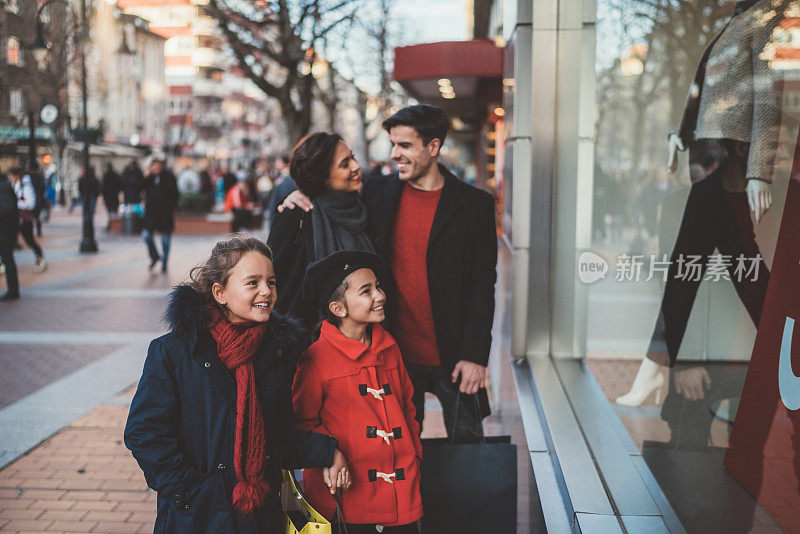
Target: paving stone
[{"x": 72, "y": 526}]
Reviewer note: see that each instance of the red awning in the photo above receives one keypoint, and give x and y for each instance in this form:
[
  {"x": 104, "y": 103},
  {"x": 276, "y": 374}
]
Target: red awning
[
  {"x": 459, "y": 76},
  {"x": 479, "y": 58}
]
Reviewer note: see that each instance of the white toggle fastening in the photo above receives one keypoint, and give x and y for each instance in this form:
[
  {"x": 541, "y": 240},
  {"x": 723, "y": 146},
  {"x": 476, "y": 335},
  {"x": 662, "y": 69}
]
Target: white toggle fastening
[
  {"x": 385, "y": 435},
  {"x": 387, "y": 478},
  {"x": 376, "y": 393}
]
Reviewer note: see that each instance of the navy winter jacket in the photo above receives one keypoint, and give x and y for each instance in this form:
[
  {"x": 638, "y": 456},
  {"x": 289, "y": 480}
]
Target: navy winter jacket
[{"x": 181, "y": 426}]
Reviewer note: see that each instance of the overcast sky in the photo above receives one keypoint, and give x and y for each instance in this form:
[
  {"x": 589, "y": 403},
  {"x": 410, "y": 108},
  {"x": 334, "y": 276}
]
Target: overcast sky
[{"x": 426, "y": 21}]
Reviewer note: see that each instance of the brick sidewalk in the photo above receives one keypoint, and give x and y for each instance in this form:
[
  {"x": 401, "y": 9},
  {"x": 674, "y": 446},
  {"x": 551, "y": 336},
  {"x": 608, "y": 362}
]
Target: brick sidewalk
[{"x": 82, "y": 479}]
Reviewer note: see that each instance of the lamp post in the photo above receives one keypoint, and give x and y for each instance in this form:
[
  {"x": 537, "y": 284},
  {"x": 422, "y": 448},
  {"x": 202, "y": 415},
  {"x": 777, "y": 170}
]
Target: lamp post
[{"x": 40, "y": 49}]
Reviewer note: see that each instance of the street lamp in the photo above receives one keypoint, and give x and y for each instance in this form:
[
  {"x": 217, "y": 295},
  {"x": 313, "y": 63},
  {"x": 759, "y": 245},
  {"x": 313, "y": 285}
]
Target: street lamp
[{"x": 40, "y": 49}]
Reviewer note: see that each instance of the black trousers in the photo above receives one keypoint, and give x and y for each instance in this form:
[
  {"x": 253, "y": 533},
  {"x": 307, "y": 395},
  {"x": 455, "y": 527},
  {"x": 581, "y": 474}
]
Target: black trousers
[
  {"x": 26, "y": 229},
  {"x": 468, "y": 427},
  {"x": 709, "y": 222},
  {"x": 7, "y": 242}
]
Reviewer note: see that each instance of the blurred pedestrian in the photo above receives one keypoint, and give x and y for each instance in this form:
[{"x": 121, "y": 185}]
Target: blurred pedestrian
[
  {"x": 284, "y": 185},
  {"x": 41, "y": 208},
  {"x": 211, "y": 422},
  {"x": 112, "y": 185},
  {"x": 264, "y": 187},
  {"x": 161, "y": 198},
  {"x": 9, "y": 226},
  {"x": 239, "y": 204},
  {"x": 132, "y": 179},
  {"x": 26, "y": 202},
  {"x": 228, "y": 181},
  {"x": 207, "y": 188}
]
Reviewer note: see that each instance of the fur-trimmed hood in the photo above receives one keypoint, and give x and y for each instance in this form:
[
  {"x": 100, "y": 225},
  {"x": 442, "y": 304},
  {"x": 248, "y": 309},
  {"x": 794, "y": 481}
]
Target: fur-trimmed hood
[{"x": 186, "y": 314}]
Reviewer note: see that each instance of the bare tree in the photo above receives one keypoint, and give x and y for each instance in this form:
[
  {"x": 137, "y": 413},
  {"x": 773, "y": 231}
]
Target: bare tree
[{"x": 274, "y": 44}]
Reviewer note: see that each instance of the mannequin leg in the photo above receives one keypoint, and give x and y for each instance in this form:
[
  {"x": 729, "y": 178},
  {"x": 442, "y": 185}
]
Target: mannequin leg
[
  {"x": 695, "y": 238},
  {"x": 651, "y": 376}
]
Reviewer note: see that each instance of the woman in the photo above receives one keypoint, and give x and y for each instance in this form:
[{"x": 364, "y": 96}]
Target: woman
[
  {"x": 26, "y": 203},
  {"x": 326, "y": 171},
  {"x": 239, "y": 205},
  {"x": 211, "y": 423}
]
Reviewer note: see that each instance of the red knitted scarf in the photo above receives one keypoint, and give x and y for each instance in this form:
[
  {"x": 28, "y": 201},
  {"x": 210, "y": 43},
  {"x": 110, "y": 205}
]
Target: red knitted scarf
[{"x": 236, "y": 345}]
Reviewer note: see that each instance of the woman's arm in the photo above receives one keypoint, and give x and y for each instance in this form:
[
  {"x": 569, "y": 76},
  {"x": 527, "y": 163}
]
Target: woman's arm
[{"x": 152, "y": 432}]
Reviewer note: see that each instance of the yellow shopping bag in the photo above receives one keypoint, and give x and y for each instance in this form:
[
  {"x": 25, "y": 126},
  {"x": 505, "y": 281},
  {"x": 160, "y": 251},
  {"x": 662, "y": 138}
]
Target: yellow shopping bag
[{"x": 299, "y": 516}]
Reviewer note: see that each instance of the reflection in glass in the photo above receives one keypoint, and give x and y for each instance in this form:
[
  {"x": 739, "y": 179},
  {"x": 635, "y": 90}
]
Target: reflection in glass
[{"x": 700, "y": 221}]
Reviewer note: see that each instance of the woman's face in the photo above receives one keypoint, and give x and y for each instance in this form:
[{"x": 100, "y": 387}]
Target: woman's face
[
  {"x": 345, "y": 173},
  {"x": 249, "y": 294}
]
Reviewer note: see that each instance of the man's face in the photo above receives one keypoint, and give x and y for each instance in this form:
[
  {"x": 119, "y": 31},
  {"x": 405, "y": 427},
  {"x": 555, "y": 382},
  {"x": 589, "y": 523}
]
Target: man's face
[
  {"x": 14, "y": 178},
  {"x": 413, "y": 158}
]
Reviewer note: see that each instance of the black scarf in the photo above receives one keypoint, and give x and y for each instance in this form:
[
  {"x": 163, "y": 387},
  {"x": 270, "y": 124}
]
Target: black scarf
[{"x": 340, "y": 222}]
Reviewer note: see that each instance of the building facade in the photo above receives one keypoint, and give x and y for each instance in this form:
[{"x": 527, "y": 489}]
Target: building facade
[{"x": 25, "y": 86}]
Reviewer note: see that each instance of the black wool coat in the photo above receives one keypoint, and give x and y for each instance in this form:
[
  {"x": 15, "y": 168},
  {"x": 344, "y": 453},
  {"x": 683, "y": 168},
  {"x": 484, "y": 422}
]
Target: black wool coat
[
  {"x": 160, "y": 201},
  {"x": 182, "y": 421},
  {"x": 461, "y": 263},
  {"x": 291, "y": 238},
  {"x": 9, "y": 214}
]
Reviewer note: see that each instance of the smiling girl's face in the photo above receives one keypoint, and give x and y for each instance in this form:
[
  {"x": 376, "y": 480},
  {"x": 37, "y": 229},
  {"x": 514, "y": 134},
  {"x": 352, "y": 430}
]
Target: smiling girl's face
[{"x": 250, "y": 293}]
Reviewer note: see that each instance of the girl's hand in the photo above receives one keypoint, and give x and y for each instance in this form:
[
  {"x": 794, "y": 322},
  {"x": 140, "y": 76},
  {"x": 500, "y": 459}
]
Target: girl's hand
[{"x": 337, "y": 475}]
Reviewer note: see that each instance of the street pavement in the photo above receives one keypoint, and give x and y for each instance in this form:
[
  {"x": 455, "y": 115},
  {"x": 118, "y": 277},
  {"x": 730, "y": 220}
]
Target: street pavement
[{"x": 71, "y": 351}]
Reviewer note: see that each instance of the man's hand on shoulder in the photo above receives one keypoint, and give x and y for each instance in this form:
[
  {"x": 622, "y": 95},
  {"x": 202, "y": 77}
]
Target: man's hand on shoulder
[
  {"x": 296, "y": 199},
  {"x": 473, "y": 376}
]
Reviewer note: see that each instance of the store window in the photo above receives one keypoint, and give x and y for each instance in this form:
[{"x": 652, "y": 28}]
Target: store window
[
  {"x": 689, "y": 331},
  {"x": 14, "y": 53},
  {"x": 16, "y": 103}
]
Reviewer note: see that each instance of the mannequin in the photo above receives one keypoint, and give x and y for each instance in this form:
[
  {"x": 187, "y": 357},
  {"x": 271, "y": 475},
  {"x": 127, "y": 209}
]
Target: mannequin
[{"x": 733, "y": 102}]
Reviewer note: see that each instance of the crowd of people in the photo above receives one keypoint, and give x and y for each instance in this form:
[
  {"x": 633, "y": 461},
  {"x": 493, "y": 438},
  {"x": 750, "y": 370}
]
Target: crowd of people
[{"x": 316, "y": 349}]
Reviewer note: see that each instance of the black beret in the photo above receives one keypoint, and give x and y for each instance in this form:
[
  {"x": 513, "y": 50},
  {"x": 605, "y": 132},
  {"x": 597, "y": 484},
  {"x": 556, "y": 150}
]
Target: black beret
[{"x": 324, "y": 276}]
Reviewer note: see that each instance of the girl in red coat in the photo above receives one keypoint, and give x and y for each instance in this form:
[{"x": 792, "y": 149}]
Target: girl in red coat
[{"x": 351, "y": 384}]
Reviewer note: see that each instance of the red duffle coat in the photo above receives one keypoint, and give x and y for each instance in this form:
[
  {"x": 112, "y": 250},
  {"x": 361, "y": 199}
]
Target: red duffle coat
[{"x": 362, "y": 396}]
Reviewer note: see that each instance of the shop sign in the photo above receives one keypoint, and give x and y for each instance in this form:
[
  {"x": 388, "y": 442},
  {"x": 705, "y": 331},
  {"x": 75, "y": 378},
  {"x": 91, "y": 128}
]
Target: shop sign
[
  {"x": 764, "y": 450},
  {"x": 17, "y": 133}
]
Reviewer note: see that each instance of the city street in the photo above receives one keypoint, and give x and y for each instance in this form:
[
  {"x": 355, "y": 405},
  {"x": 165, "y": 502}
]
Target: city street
[{"x": 71, "y": 350}]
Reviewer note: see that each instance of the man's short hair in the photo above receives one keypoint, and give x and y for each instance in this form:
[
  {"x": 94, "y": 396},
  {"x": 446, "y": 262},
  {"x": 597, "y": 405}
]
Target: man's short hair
[
  {"x": 429, "y": 121},
  {"x": 15, "y": 171}
]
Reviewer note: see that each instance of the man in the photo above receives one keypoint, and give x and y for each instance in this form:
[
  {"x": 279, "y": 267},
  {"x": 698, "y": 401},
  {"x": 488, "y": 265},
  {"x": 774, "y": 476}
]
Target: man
[
  {"x": 9, "y": 225},
  {"x": 111, "y": 188},
  {"x": 438, "y": 236},
  {"x": 161, "y": 198},
  {"x": 284, "y": 185}
]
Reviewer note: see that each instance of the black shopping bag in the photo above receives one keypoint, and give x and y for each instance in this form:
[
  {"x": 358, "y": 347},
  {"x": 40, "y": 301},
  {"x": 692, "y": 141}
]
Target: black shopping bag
[{"x": 469, "y": 488}]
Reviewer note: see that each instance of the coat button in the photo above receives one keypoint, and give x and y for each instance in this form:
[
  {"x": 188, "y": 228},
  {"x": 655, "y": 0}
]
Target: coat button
[
  {"x": 221, "y": 467},
  {"x": 185, "y": 506},
  {"x": 207, "y": 365}
]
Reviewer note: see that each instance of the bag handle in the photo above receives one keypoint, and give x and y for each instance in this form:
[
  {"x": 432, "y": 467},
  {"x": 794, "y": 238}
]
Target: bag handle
[
  {"x": 455, "y": 418},
  {"x": 341, "y": 526}
]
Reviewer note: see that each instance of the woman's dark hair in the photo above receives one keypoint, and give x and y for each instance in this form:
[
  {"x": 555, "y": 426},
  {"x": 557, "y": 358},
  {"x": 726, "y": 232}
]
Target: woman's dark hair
[
  {"x": 311, "y": 162},
  {"x": 217, "y": 268},
  {"x": 429, "y": 121}
]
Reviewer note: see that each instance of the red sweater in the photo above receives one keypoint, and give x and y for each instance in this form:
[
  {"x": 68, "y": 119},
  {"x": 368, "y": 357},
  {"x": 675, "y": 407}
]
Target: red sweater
[
  {"x": 413, "y": 321},
  {"x": 362, "y": 396}
]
